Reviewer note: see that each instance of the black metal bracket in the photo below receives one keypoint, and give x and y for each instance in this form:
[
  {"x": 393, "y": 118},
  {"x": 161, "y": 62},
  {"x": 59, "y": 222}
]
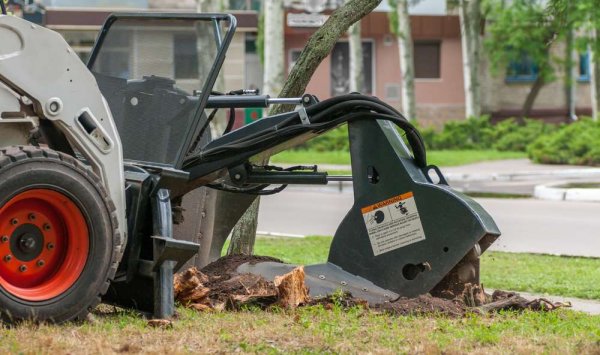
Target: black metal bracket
[{"x": 170, "y": 249}]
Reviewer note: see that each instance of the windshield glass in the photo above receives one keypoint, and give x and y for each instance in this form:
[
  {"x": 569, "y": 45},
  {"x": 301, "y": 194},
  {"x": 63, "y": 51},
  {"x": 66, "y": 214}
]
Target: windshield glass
[
  {"x": 183, "y": 50},
  {"x": 148, "y": 69}
]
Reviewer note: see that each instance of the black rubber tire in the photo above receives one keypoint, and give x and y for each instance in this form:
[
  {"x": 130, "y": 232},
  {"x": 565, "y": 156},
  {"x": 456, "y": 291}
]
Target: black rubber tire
[{"x": 24, "y": 168}]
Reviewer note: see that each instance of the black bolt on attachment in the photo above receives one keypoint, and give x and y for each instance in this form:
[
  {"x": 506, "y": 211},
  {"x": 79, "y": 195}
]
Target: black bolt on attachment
[
  {"x": 40, "y": 263},
  {"x": 50, "y": 246},
  {"x": 23, "y": 268},
  {"x": 32, "y": 216},
  {"x": 4, "y": 239},
  {"x": 47, "y": 227},
  {"x": 14, "y": 221},
  {"x": 8, "y": 258}
]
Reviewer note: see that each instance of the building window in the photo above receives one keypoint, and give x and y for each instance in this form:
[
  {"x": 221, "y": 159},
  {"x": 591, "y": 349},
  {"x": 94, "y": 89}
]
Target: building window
[
  {"x": 427, "y": 59},
  {"x": 584, "y": 66},
  {"x": 186, "y": 56},
  {"x": 247, "y": 5},
  {"x": 340, "y": 68},
  {"x": 523, "y": 69}
]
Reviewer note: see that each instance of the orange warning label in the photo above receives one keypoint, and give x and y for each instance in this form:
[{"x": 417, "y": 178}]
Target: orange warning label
[
  {"x": 393, "y": 223},
  {"x": 387, "y": 202}
]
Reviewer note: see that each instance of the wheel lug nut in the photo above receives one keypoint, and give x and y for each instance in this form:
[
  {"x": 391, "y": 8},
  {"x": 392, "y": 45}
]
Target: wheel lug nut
[
  {"x": 50, "y": 246},
  {"x": 8, "y": 258},
  {"x": 32, "y": 216},
  {"x": 23, "y": 268},
  {"x": 41, "y": 263},
  {"x": 4, "y": 239},
  {"x": 14, "y": 221},
  {"x": 47, "y": 227}
]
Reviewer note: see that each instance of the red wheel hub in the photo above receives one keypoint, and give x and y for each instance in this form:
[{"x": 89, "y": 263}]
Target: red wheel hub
[{"x": 44, "y": 244}]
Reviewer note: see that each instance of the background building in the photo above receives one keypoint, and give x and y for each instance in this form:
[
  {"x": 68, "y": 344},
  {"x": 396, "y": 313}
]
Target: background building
[{"x": 437, "y": 51}]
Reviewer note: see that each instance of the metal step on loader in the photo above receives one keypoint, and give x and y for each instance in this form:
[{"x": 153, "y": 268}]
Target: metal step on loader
[{"x": 111, "y": 181}]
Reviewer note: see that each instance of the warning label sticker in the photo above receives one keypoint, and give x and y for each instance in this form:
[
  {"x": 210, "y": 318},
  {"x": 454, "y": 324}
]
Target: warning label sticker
[{"x": 393, "y": 223}]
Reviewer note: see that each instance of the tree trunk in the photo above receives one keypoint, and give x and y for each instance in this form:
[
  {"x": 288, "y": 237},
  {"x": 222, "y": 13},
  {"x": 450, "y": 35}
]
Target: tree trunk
[
  {"x": 572, "y": 72},
  {"x": 356, "y": 57},
  {"x": 538, "y": 84},
  {"x": 274, "y": 43},
  {"x": 243, "y": 235},
  {"x": 594, "y": 76},
  {"x": 317, "y": 48},
  {"x": 470, "y": 23},
  {"x": 407, "y": 64}
]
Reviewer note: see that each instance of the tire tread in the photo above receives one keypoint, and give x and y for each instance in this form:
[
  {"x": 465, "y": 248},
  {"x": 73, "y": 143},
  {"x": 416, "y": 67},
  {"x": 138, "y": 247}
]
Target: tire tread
[{"x": 17, "y": 154}]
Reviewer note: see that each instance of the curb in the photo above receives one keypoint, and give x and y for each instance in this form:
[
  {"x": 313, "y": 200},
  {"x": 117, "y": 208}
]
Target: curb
[
  {"x": 524, "y": 175},
  {"x": 555, "y": 192}
]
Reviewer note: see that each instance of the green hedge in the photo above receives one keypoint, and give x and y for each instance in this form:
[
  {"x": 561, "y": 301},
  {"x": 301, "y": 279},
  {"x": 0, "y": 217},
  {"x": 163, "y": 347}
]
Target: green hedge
[
  {"x": 576, "y": 144},
  {"x": 334, "y": 140},
  {"x": 479, "y": 133},
  {"x": 470, "y": 134}
]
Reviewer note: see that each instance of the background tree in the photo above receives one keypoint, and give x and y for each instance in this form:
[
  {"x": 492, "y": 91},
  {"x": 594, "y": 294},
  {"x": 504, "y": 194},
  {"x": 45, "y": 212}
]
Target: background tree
[
  {"x": 244, "y": 233},
  {"x": 319, "y": 46},
  {"x": 470, "y": 27},
  {"x": 521, "y": 31},
  {"x": 357, "y": 81},
  {"x": 205, "y": 61},
  {"x": 400, "y": 26},
  {"x": 583, "y": 18}
]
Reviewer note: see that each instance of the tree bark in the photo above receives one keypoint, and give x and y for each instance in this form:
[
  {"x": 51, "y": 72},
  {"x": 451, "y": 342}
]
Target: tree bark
[
  {"x": 356, "y": 57},
  {"x": 470, "y": 26},
  {"x": 274, "y": 44},
  {"x": 317, "y": 48},
  {"x": 594, "y": 76},
  {"x": 407, "y": 64},
  {"x": 538, "y": 84},
  {"x": 572, "y": 72}
]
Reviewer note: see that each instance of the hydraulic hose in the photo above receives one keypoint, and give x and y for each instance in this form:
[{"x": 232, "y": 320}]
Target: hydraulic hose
[{"x": 323, "y": 116}]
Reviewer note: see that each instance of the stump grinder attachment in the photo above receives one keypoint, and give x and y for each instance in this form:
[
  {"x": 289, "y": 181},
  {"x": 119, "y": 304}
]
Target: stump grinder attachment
[{"x": 110, "y": 180}]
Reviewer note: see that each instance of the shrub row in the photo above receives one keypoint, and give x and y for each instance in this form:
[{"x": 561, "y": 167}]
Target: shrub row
[
  {"x": 479, "y": 133},
  {"x": 473, "y": 133},
  {"x": 577, "y": 143}
]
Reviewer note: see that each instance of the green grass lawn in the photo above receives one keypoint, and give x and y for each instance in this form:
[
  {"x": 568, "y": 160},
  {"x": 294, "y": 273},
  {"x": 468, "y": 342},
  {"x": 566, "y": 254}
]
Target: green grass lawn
[
  {"x": 316, "y": 330},
  {"x": 312, "y": 330},
  {"x": 439, "y": 157},
  {"x": 554, "y": 275}
]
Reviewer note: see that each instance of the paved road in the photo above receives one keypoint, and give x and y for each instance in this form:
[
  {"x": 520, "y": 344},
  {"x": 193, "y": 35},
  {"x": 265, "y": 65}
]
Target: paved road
[{"x": 527, "y": 225}]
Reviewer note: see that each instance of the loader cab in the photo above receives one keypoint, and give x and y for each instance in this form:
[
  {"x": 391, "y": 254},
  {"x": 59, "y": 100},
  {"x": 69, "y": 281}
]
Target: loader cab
[{"x": 156, "y": 71}]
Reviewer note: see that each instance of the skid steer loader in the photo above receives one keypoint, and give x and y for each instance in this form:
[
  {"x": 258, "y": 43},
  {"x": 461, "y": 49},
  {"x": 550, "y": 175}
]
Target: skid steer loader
[{"x": 110, "y": 180}]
